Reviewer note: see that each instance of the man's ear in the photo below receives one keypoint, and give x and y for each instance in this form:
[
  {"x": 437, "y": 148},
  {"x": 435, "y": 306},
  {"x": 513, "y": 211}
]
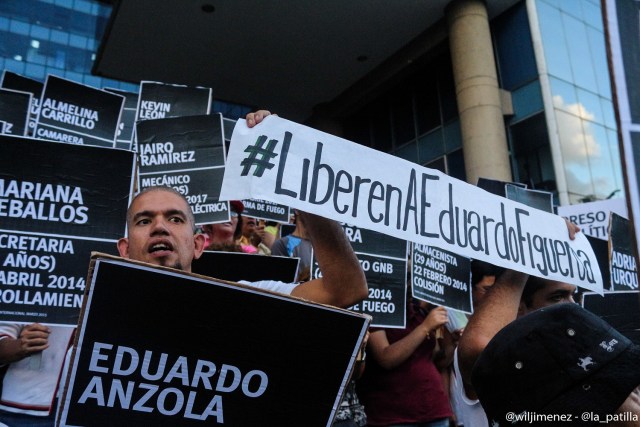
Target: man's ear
[
  {"x": 123, "y": 247},
  {"x": 198, "y": 240}
]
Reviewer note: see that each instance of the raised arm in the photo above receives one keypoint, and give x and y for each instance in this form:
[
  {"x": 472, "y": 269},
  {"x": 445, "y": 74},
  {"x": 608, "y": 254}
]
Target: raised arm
[
  {"x": 390, "y": 356},
  {"x": 498, "y": 309},
  {"x": 343, "y": 283},
  {"x": 18, "y": 343}
]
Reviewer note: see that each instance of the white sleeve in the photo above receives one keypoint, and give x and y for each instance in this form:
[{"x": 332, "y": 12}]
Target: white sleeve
[
  {"x": 10, "y": 330},
  {"x": 272, "y": 285}
]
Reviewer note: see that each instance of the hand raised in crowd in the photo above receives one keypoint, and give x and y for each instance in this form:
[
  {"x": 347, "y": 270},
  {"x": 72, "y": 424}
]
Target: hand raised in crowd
[
  {"x": 256, "y": 117},
  {"x": 436, "y": 318},
  {"x": 34, "y": 338}
]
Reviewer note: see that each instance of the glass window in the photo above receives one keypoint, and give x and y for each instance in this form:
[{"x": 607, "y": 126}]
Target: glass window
[
  {"x": 77, "y": 41},
  {"x": 527, "y": 100},
  {"x": 381, "y": 127},
  {"x": 35, "y": 71},
  {"x": 564, "y": 94},
  {"x": 402, "y": 112},
  {"x": 572, "y": 8},
  {"x": 555, "y": 48},
  {"x": 438, "y": 164},
  {"x": 514, "y": 48},
  {"x": 605, "y": 180},
  {"x": 19, "y": 27},
  {"x": 580, "y": 54},
  {"x": 408, "y": 152},
  {"x": 427, "y": 104},
  {"x": 59, "y": 37},
  {"x": 455, "y": 165},
  {"x": 431, "y": 146},
  {"x": 576, "y": 150},
  {"x": 452, "y": 136},
  {"x": 599, "y": 52},
  {"x": 13, "y": 65},
  {"x": 590, "y": 106},
  {"x": 447, "y": 90},
  {"x": 40, "y": 33},
  {"x": 592, "y": 15},
  {"x": 608, "y": 114}
]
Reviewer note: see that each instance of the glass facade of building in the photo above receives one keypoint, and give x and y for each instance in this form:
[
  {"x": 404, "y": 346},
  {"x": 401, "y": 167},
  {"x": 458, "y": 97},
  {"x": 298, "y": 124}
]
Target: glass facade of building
[
  {"x": 61, "y": 37},
  {"x": 418, "y": 120},
  {"x": 573, "y": 42}
]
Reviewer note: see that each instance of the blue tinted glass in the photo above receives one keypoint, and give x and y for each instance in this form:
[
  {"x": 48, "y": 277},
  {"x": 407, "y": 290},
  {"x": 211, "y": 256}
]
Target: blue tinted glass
[
  {"x": 408, "y": 152},
  {"x": 590, "y": 106},
  {"x": 455, "y": 163},
  {"x": 13, "y": 65},
  {"x": 77, "y": 41},
  {"x": 592, "y": 14},
  {"x": 580, "y": 54},
  {"x": 39, "y": 32},
  {"x": 608, "y": 113},
  {"x": 553, "y": 39},
  {"x": 59, "y": 37},
  {"x": 430, "y": 146},
  {"x": 572, "y": 7},
  {"x": 35, "y": 71},
  {"x": 452, "y": 136},
  {"x": 514, "y": 48},
  {"x": 602, "y": 162},
  {"x": 19, "y": 27},
  {"x": 575, "y": 155},
  {"x": 527, "y": 100},
  {"x": 599, "y": 54},
  {"x": 564, "y": 94}
]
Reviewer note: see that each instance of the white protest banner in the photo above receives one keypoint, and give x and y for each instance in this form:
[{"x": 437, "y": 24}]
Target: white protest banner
[
  {"x": 593, "y": 217},
  {"x": 310, "y": 170}
]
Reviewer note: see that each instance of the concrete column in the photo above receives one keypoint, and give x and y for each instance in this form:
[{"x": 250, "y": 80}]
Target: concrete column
[{"x": 484, "y": 140}]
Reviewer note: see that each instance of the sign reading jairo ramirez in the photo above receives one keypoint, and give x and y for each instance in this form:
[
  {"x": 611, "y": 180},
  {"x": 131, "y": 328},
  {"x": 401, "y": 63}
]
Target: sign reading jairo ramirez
[
  {"x": 192, "y": 351},
  {"x": 306, "y": 169}
]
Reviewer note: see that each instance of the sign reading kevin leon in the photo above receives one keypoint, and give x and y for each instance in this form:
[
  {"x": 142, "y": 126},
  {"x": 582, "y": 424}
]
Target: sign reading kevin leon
[
  {"x": 186, "y": 351},
  {"x": 306, "y": 169}
]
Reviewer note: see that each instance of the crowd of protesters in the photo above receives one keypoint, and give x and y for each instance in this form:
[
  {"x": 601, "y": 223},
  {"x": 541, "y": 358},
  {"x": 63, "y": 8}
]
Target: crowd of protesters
[{"x": 528, "y": 353}]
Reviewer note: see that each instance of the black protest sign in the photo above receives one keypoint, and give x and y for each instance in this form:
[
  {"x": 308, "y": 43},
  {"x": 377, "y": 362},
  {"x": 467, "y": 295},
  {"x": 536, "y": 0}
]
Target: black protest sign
[
  {"x": 14, "y": 111},
  {"x": 24, "y": 84},
  {"x": 188, "y": 154},
  {"x": 623, "y": 257},
  {"x": 494, "y": 186},
  {"x": 266, "y": 210},
  {"x": 384, "y": 261},
  {"x": 542, "y": 200},
  {"x": 127, "y": 118},
  {"x": 237, "y": 266},
  {"x": 441, "y": 277},
  {"x": 58, "y": 203},
  {"x": 192, "y": 351},
  {"x": 620, "y": 309},
  {"x": 601, "y": 251},
  {"x": 161, "y": 100},
  {"x": 78, "y": 114}
]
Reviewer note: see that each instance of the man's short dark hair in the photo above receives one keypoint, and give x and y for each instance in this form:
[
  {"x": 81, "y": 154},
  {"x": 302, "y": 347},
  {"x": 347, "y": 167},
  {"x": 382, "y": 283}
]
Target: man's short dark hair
[
  {"x": 480, "y": 269},
  {"x": 190, "y": 217}
]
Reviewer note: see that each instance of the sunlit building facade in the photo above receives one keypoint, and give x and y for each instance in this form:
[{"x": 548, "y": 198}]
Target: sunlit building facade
[{"x": 551, "y": 64}]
